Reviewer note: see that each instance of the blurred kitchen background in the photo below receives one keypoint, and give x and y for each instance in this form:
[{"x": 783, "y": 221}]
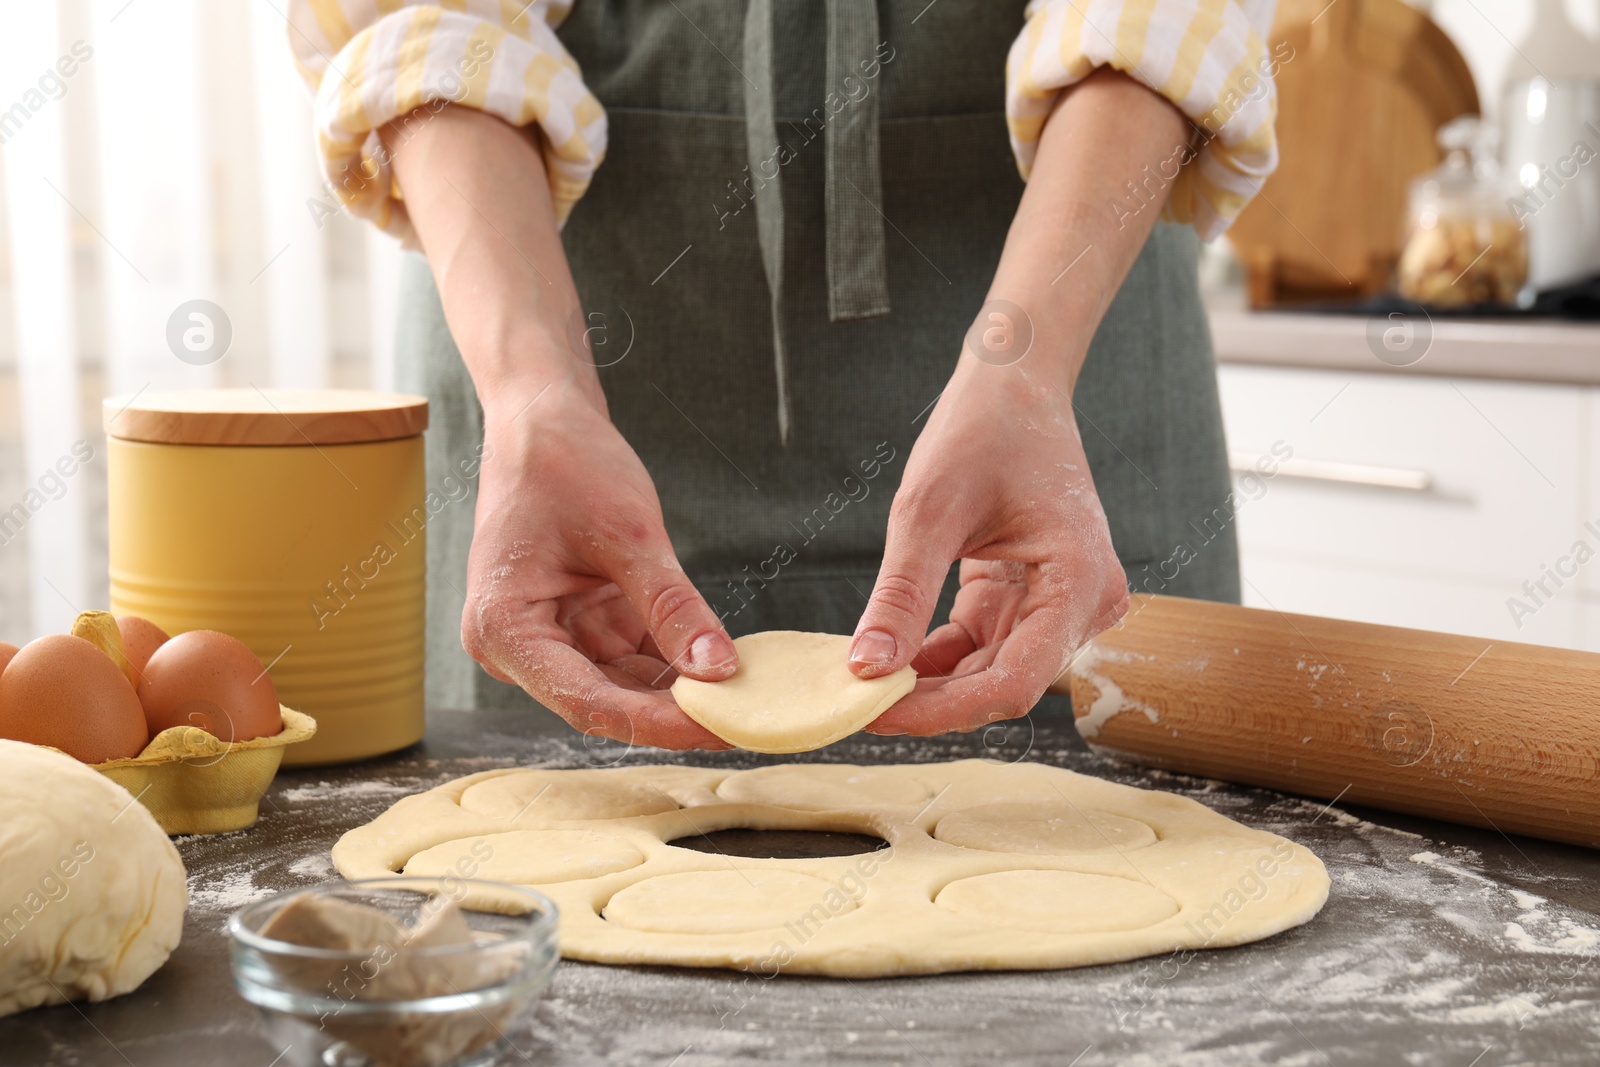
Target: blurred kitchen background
[
  {"x": 174, "y": 163},
  {"x": 1410, "y": 360}
]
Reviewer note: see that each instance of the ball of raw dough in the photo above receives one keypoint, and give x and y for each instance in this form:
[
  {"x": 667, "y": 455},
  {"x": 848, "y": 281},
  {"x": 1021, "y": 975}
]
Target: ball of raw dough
[{"x": 92, "y": 894}]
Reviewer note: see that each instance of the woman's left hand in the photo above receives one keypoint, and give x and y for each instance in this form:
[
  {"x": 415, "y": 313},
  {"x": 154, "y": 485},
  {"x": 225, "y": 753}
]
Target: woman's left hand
[{"x": 998, "y": 480}]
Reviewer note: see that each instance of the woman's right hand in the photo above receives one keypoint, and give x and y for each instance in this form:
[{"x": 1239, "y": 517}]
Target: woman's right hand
[{"x": 574, "y": 592}]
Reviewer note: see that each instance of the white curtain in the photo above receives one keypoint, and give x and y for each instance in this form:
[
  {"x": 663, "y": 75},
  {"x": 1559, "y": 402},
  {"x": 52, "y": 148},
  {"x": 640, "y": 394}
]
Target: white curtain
[{"x": 153, "y": 153}]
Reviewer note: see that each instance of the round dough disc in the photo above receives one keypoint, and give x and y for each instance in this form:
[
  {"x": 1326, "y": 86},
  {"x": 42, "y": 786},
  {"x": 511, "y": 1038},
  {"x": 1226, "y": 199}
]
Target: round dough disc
[
  {"x": 528, "y": 857},
  {"x": 550, "y": 796},
  {"x": 1057, "y": 902},
  {"x": 1050, "y": 829},
  {"x": 793, "y": 692},
  {"x": 745, "y": 900},
  {"x": 823, "y": 787}
]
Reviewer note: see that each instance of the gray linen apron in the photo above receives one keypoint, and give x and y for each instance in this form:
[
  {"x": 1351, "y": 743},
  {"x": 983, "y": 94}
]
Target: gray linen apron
[{"x": 770, "y": 348}]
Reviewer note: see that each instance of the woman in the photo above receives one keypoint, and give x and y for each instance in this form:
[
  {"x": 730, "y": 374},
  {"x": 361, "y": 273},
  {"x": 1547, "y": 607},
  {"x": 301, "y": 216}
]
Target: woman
[{"x": 807, "y": 280}]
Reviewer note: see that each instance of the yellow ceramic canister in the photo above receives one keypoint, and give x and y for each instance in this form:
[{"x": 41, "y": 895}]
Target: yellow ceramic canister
[{"x": 294, "y": 520}]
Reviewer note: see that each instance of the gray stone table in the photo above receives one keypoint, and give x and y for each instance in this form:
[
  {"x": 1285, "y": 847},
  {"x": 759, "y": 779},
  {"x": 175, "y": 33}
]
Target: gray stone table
[{"x": 1439, "y": 945}]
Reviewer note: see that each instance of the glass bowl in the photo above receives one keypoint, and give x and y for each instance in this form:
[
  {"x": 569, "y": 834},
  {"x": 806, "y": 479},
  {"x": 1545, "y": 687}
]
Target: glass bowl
[{"x": 399, "y": 1005}]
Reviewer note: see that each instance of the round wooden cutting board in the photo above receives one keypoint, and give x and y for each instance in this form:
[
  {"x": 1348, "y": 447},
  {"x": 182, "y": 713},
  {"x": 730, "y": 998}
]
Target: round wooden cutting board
[{"x": 1367, "y": 86}]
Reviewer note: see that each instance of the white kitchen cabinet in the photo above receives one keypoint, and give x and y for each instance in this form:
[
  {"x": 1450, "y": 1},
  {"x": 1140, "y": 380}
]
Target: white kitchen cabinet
[
  {"x": 1488, "y": 482},
  {"x": 1589, "y": 625},
  {"x": 1589, "y": 583},
  {"x": 1590, "y": 504},
  {"x": 1497, "y": 465},
  {"x": 1395, "y": 597}
]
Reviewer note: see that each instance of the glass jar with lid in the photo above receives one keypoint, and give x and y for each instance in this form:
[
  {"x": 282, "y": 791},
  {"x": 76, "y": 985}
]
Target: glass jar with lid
[{"x": 1463, "y": 246}]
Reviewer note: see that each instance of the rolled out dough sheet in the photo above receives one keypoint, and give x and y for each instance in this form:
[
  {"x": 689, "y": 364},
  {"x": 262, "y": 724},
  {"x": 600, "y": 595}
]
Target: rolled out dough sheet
[
  {"x": 989, "y": 866},
  {"x": 793, "y": 692}
]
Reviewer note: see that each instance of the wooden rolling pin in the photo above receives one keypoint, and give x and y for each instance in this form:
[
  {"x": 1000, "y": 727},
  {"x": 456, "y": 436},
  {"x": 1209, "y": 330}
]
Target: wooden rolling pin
[{"x": 1494, "y": 734}]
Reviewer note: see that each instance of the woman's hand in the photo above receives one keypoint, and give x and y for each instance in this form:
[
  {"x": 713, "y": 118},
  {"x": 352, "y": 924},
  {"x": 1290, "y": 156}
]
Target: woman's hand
[
  {"x": 574, "y": 592},
  {"x": 998, "y": 480}
]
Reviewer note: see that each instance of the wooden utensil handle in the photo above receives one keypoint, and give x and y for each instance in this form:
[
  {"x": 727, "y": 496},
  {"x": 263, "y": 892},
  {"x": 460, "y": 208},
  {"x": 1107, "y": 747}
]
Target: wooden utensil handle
[{"x": 1488, "y": 733}]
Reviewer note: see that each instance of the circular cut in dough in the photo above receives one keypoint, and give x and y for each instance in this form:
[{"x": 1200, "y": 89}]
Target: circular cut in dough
[
  {"x": 1049, "y": 829},
  {"x": 528, "y": 857},
  {"x": 822, "y": 787},
  {"x": 793, "y": 692},
  {"x": 552, "y": 796},
  {"x": 725, "y": 902},
  {"x": 1057, "y": 902}
]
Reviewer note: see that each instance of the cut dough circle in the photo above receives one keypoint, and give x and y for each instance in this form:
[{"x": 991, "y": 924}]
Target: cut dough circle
[
  {"x": 545, "y": 796},
  {"x": 793, "y": 692},
  {"x": 991, "y": 866},
  {"x": 722, "y": 902},
  {"x": 529, "y": 857},
  {"x": 1057, "y": 902},
  {"x": 1043, "y": 828},
  {"x": 823, "y": 787}
]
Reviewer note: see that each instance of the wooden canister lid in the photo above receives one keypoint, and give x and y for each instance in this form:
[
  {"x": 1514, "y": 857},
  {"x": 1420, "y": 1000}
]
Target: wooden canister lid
[{"x": 264, "y": 416}]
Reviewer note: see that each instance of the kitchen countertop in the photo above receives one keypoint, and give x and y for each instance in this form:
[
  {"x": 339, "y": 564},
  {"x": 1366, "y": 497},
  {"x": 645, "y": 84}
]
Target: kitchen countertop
[
  {"x": 1529, "y": 350},
  {"x": 1439, "y": 945}
]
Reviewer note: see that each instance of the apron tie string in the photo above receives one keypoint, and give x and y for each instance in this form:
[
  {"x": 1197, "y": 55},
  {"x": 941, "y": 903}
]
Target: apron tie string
[
  {"x": 857, "y": 275},
  {"x": 858, "y": 285},
  {"x": 761, "y": 142}
]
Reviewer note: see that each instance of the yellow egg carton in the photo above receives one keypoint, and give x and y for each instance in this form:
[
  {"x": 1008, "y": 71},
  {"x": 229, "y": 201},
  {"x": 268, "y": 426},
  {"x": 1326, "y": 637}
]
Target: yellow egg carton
[{"x": 194, "y": 782}]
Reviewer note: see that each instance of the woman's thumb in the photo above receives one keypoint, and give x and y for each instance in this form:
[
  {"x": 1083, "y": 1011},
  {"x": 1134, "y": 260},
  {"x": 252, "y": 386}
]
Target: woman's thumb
[
  {"x": 902, "y": 602},
  {"x": 685, "y": 628}
]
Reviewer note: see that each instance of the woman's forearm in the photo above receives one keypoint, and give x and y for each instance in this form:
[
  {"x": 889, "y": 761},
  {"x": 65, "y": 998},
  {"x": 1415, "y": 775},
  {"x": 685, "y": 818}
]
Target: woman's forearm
[
  {"x": 998, "y": 478},
  {"x": 1079, "y": 227},
  {"x": 478, "y": 197}
]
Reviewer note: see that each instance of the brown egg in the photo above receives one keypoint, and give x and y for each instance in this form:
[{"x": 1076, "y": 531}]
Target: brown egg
[
  {"x": 7, "y": 650},
  {"x": 207, "y": 679},
  {"x": 64, "y": 692},
  {"x": 140, "y": 639}
]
